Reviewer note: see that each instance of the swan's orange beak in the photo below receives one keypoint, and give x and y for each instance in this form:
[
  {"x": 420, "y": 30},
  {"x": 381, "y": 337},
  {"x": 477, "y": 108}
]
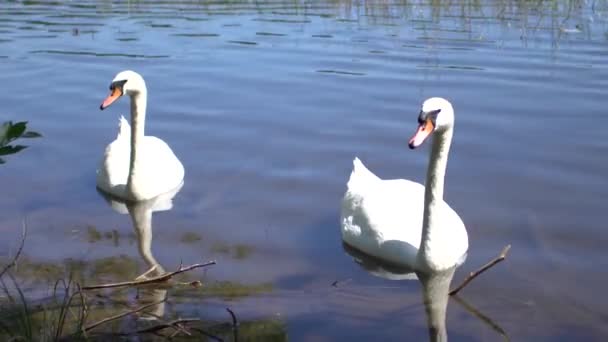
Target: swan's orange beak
[
  {"x": 114, "y": 95},
  {"x": 424, "y": 131}
]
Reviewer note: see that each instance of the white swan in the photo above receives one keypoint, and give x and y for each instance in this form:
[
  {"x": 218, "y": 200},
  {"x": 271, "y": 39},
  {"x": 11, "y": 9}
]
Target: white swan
[
  {"x": 135, "y": 166},
  {"x": 401, "y": 221}
]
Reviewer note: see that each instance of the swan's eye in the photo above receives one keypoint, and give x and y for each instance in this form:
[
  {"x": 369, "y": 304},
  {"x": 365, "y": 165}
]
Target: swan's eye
[
  {"x": 422, "y": 117},
  {"x": 434, "y": 112},
  {"x": 430, "y": 115},
  {"x": 118, "y": 84}
]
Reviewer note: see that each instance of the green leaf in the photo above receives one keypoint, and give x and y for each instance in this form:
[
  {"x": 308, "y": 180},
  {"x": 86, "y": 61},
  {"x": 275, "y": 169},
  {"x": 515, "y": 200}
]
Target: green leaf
[
  {"x": 31, "y": 134},
  {"x": 16, "y": 130},
  {"x": 3, "y": 132},
  {"x": 5, "y": 150}
]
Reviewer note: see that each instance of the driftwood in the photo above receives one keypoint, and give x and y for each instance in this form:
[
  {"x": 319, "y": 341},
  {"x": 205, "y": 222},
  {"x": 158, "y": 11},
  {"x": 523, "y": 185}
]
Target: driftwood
[
  {"x": 482, "y": 269},
  {"x": 154, "y": 280}
]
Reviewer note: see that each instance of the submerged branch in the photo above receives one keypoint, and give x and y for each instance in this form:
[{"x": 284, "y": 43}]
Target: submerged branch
[
  {"x": 472, "y": 310},
  {"x": 121, "y": 315},
  {"x": 159, "y": 279},
  {"x": 175, "y": 324},
  {"x": 16, "y": 257},
  {"x": 482, "y": 269}
]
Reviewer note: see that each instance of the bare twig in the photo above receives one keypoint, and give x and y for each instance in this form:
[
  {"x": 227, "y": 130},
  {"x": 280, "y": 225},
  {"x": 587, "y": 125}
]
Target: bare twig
[
  {"x": 482, "y": 269},
  {"x": 472, "y": 310},
  {"x": 235, "y": 324},
  {"x": 175, "y": 324},
  {"x": 16, "y": 257},
  {"x": 121, "y": 315},
  {"x": 159, "y": 279},
  {"x": 178, "y": 328},
  {"x": 217, "y": 338}
]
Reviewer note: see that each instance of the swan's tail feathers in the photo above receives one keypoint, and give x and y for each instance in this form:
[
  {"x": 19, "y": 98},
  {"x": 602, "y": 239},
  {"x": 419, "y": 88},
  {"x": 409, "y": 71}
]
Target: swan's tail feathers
[
  {"x": 124, "y": 129},
  {"x": 360, "y": 177}
]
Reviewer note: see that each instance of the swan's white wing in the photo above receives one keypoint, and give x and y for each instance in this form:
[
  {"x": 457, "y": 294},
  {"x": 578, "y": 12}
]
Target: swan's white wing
[
  {"x": 385, "y": 221},
  {"x": 161, "y": 171},
  {"x": 383, "y": 218},
  {"x": 113, "y": 169}
]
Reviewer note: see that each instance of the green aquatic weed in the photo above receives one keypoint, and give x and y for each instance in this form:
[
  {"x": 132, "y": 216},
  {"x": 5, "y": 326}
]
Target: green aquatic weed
[{"x": 10, "y": 132}]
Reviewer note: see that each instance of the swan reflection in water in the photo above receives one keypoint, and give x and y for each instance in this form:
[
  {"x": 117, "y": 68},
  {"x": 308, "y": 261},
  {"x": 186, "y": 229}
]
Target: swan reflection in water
[
  {"x": 141, "y": 217},
  {"x": 435, "y": 288},
  {"x": 435, "y": 292}
]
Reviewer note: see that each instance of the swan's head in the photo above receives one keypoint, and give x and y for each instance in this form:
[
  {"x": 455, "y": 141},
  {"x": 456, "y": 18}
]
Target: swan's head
[
  {"x": 124, "y": 83},
  {"x": 436, "y": 115}
]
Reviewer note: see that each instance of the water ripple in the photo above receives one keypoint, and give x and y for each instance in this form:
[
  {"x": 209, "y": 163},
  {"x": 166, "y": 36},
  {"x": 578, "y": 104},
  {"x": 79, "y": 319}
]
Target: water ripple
[
  {"x": 195, "y": 35},
  {"x": 270, "y": 34},
  {"x": 340, "y": 72},
  {"x": 242, "y": 42},
  {"x": 97, "y": 54}
]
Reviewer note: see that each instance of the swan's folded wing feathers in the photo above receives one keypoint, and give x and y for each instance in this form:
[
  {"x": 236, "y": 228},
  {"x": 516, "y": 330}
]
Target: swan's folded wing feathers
[
  {"x": 158, "y": 156},
  {"x": 124, "y": 129},
  {"x": 114, "y": 166},
  {"x": 384, "y": 212},
  {"x": 360, "y": 178},
  {"x": 386, "y": 221},
  {"x": 394, "y": 208}
]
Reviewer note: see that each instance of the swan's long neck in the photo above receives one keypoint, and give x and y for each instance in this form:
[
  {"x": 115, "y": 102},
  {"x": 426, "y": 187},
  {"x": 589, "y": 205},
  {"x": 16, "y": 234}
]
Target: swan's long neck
[
  {"x": 138, "y": 120},
  {"x": 433, "y": 197}
]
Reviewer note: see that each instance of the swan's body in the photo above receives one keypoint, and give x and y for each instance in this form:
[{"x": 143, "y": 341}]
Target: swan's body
[
  {"x": 400, "y": 221},
  {"x": 135, "y": 166},
  {"x": 384, "y": 218},
  {"x": 162, "y": 171}
]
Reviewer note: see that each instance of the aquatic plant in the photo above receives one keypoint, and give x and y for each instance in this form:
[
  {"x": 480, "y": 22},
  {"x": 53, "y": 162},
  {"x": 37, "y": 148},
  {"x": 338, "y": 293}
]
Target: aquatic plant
[
  {"x": 75, "y": 313},
  {"x": 9, "y": 132}
]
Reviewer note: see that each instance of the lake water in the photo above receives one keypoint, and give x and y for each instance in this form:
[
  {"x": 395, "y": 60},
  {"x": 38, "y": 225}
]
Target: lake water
[{"x": 266, "y": 103}]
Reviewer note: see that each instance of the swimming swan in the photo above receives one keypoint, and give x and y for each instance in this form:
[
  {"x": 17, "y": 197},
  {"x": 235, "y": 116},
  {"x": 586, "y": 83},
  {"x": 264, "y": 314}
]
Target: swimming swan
[
  {"x": 400, "y": 221},
  {"x": 134, "y": 166}
]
